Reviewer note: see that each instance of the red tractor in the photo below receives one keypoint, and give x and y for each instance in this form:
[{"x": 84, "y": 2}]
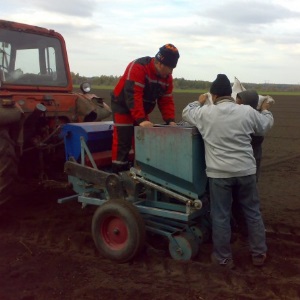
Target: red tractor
[{"x": 36, "y": 99}]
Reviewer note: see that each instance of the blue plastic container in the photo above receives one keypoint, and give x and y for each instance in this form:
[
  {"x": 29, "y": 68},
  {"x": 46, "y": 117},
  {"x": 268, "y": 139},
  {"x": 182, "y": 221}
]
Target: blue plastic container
[{"x": 97, "y": 135}]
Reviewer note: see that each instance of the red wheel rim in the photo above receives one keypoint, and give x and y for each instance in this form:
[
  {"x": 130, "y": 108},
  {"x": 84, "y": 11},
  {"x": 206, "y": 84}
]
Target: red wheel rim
[{"x": 114, "y": 232}]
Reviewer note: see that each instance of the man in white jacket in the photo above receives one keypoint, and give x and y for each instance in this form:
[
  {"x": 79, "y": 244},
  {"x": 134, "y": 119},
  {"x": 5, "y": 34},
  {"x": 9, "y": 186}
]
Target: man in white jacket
[{"x": 226, "y": 129}]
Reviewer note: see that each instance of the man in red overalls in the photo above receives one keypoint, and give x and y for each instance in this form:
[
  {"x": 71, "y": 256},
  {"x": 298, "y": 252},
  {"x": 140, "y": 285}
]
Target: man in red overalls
[{"x": 145, "y": 82}]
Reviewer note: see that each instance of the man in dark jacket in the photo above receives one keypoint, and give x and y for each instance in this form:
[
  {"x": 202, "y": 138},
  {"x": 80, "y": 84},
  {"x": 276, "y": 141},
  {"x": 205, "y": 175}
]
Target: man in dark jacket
[
  {"x": 145, "y": 82},
  {"x": 248, "y": 97}
]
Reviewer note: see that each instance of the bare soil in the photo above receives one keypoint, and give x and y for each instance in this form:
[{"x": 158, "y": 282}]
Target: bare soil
[{"x": 47, "y": 251}]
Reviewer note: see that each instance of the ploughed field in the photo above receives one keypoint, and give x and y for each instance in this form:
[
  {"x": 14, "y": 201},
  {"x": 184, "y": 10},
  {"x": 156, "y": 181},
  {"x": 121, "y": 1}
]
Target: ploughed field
[{"x": 47, "y": 252}]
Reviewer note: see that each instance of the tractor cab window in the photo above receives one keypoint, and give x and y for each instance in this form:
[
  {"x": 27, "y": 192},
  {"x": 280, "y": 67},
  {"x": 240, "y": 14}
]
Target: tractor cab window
[
  {"x": 5, "y": 50},
  {"x": 31, "y": 59}
]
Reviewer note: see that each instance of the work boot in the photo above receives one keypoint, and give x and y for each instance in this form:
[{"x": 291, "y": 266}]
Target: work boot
[{"x": 258, "y": 260}]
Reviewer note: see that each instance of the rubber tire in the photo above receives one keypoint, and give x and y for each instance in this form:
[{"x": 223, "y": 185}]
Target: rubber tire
[
  {"x": 8, "y": 166},
  {"x": 124, "y": 218},
  {"x": 201, "y": 232}
]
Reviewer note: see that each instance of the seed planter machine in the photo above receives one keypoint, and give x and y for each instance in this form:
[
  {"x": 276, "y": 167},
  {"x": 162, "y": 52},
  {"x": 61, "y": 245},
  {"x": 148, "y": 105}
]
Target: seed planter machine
[{"x": 163, "y": 193}]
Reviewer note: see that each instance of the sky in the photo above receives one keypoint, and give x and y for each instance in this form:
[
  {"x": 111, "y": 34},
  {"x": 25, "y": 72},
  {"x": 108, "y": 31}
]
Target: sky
[{"x": 254, "y": 41}]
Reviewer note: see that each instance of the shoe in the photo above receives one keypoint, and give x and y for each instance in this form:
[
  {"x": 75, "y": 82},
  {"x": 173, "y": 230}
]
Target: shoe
[
  {"x": 224, "y": 263},
  {"x": 259, "y": 260}
]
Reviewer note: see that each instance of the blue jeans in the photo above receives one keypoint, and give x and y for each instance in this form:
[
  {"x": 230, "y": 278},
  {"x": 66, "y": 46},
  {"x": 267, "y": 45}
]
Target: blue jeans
[{"x": 221, "y": 190}]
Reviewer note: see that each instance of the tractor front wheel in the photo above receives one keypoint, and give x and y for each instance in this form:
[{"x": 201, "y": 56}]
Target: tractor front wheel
[{"x": 118, "y": 230}]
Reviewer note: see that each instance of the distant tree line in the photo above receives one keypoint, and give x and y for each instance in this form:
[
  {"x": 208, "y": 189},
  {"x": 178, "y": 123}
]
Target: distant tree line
[
  {"x": 102, "y": 80},
  {"x": 184, "y": 84}
]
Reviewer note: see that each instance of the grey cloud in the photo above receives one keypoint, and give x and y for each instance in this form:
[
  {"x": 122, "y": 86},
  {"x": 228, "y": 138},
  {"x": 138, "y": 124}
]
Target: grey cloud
[
  {"x": 245, "y": 34},
  {"x": 247, "y": 22},
  {"x": 73, "y": 8},
  {"x": 63, "y": 28},
  {"x": 245, "y": 12},
  {"x": 70, "y": 29}
]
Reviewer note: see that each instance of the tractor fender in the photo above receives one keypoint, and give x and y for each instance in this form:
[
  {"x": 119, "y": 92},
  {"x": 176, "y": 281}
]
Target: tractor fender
[
  {"x": 90, "y": 108},
  {"x": 10, "y": 115}
]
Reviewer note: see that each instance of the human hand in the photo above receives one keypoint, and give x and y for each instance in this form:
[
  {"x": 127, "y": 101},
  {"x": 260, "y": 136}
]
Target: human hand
[
  {"x": 202, "y": 98},
  {"x": 266, "y": 105},
  {"x": 264, "y": 99},
  {"x": 172, "y": 124},
  {"x": 146, "y": 124}
]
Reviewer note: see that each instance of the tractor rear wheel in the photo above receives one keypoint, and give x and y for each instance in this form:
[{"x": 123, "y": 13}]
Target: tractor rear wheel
[
  {"x": 8, "y": 166},
  {"x": 118, "y": 230}
]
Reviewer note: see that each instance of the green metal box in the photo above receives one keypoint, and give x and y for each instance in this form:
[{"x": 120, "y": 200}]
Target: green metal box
[{"x": 172, "y": 156}]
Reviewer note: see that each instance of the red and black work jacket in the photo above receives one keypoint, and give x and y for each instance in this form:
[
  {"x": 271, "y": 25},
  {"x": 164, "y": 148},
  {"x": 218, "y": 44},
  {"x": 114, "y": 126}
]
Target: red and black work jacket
[{"x": 140, "y": 88}]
